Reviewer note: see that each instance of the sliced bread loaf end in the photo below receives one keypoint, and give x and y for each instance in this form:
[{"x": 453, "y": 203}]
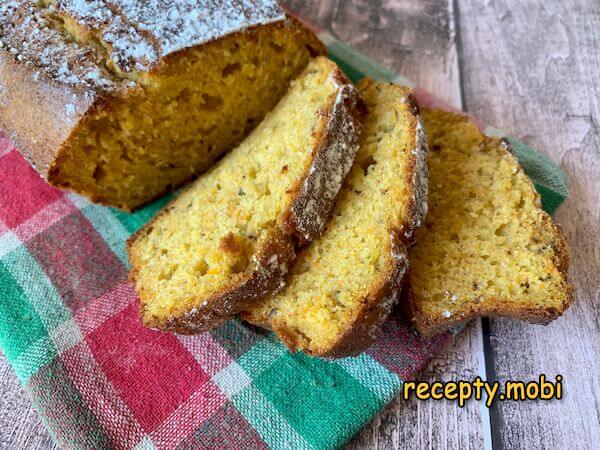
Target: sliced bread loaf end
[
  {"x": 229, "y": 238},
  {"x": 123, "y": 101},
  {"x": 486, "y": 247},
  {"x": 343, "y": 285}
]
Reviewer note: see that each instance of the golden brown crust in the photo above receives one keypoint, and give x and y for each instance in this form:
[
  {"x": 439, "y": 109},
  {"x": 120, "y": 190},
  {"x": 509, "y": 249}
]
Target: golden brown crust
[
  {"x": 264, "y": 278},
  {"x": 41, "y": 115},
  {"x": 429, "y": 326},
  {"x": 34, "y": 113},
  {"x": 376, "y": 307},
  {"x": 275, "y": 253},
  {"x": 385, "y": 291},
  {"x": 315, "y": 192}
]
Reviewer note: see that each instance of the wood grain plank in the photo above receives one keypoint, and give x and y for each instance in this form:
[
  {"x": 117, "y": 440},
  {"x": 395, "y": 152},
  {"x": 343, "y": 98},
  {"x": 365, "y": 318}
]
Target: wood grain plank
[
  {"x": 529, "y": 69},
  {"x": 433, "y": 424},
  {"x": 416, "y": 39},
  {"x": 533, "y": 68}
]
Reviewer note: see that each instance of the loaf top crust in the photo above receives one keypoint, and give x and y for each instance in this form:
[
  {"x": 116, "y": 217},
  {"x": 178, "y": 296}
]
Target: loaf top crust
[{"x": 109, "y": 44}]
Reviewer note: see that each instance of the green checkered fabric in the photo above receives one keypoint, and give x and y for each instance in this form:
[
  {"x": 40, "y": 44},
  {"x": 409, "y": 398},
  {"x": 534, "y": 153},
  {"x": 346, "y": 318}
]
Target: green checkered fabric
[{"x": 69, "y": 327}]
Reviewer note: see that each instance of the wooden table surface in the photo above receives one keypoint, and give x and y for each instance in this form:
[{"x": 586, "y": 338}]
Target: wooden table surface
[{"x": 531, "y": 68}]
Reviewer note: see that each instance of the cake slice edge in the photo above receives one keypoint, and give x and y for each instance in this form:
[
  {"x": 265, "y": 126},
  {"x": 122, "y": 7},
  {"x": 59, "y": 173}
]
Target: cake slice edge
[
  {"x": 336, "y": 143},
  {"x": 429, "y": 325},
  {"x": 377, "y": 305}
]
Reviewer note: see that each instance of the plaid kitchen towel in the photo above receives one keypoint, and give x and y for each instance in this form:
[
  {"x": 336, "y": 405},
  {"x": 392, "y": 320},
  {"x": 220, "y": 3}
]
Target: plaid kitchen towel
[{"x": 69, "y": 327}]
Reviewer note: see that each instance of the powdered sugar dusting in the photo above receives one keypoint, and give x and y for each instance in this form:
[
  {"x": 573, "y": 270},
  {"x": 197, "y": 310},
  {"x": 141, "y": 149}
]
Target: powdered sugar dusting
[
  {"x": 133, "y": 35},
  {"x": 70, "y": 109},
  {"x": 130, "y": 50},
  {"x": 331, "y": 164},
  {"x": 141, "y": 33},
  {"x": 177, "y": 24},
  {"x": 420, "y": 175},
  {"x": 28, "y": 34}
]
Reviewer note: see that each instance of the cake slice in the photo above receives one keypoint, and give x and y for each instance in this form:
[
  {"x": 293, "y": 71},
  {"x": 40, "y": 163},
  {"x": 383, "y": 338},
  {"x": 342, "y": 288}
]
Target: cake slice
[
  {"x": 486, "y": 247},
  {"x": 123, "y": 100},
  {"x": 229, "y": 238},
  {"x": 342, "y": 286}
]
